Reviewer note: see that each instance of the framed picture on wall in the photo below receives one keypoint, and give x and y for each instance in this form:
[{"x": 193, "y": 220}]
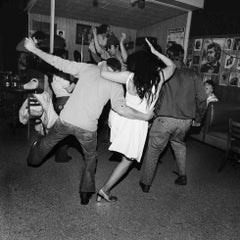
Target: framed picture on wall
[
  {"x": 229, "y": 61},
  {"x": 228, "y": 44},
  {"x": 61, "y": 33},
  {"x": 198, "y": 44},
  {"x": 83, "y": 34},
  {"x": 176, "y": 35},
  {"x": 224, "y": 78},
  {"x": 234, "y": 79},
  {"x": 236, "y": 45},
  {"x": 211, "y": 57},
  {"x": 238, "y": 64}
]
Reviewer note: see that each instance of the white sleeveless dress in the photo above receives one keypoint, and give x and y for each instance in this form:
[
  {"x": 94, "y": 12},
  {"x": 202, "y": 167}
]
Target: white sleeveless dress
[{"x": 128, "y": 136}]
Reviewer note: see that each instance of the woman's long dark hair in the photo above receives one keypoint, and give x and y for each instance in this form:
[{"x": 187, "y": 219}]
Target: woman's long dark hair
[{"x": 145, "y": 67}]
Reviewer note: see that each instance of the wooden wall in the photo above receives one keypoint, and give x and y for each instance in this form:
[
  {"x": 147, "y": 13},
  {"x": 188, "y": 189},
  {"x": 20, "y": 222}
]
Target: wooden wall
[
  {"x": 69, "y": 26},
  {"x": 160, "y": 30}
]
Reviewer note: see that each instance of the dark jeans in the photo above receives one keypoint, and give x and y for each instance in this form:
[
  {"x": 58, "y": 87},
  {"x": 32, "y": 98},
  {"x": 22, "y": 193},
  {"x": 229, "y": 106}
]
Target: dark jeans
[
  {"x": 88, "y": 141},
  {"x": 59, "y": 104},
  {"x": 61, "y": 149}
]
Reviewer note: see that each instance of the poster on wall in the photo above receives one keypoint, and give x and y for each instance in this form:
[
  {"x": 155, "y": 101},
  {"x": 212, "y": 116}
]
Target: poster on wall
[
  {"x": 234, "y": 79},
  {"x": 198, "y": 45},
  {"x": 61, "y": 33},
  {"x": 228, "y": 44},
  {"x": 211, "y": 55},
  {"x": 218, "y": 59},
  {"x": 83, "y": 34},
  {"x": 229, "y": 61},
  {"x": 176, "y": 35},
  {"x": 238, "y": 65},
  {"x": 236, "y": 45},
  {"x": 224, "y": 78}
]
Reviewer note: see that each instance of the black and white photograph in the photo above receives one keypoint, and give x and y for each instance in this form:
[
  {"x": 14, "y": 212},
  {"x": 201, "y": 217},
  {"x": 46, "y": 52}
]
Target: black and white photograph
[
  {"x": 61, "y": 33},
  {"x": 211, "y": 57},
  {"x": 234, "y": 79},
  {"x": 228, "y": 44},
  {"x": 238, "y": 64},
  {"x": 224, "y": 78},
  {"x": 229, "y": 61},
  {"x": 117, "y": 120},
  {"x": 236, "y": 45},
  {"x": 198, "y": 44}
]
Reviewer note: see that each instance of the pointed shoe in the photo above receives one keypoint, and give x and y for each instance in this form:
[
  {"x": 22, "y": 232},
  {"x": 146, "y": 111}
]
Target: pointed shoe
[{"x": 108, "y": 198}]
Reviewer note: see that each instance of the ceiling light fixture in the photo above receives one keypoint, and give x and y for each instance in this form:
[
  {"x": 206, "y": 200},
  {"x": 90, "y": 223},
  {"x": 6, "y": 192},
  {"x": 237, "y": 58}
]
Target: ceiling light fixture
[{"x": 141, "y": 3}]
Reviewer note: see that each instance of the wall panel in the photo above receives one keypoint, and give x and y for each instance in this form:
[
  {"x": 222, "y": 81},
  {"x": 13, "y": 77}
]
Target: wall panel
[{"x": 160, "y": 30}]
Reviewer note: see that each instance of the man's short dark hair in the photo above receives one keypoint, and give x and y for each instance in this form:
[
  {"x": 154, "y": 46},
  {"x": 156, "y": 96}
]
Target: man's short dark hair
[
  {"x": 102, "y": 28},
  {"x": 114, "y": 64},
  {"x": 175, "y": 51},
  {"x": 217, "y": 49},
  {"x": 210, "y": 82}
]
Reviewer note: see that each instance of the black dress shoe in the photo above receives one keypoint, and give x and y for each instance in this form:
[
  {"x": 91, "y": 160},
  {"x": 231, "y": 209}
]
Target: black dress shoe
[
  {"x": 85, "y": 196},
  {"x": 181, "y": 180},
  {"x": 145, "y": 188},
  {"x": 107, "y": 197}
]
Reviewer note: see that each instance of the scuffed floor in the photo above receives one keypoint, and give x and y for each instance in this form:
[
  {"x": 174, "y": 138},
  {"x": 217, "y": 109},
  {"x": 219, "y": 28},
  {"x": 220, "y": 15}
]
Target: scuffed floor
[{"x": 43, "y": 203}]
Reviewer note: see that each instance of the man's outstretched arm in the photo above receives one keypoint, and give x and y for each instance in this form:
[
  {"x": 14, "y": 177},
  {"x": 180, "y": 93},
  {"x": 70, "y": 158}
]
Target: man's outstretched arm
[
  {"x": 119, "y": 105},
  {"x": 64, "y": 65}
]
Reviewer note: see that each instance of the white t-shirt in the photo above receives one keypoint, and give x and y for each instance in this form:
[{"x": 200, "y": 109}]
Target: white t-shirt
[
  {"x": 59, "y": 86},
  {"x": 212, "y": 98}
]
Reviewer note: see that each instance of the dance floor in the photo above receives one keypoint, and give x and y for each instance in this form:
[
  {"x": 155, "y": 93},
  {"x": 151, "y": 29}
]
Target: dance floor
[{"x": 43, "y": 203}]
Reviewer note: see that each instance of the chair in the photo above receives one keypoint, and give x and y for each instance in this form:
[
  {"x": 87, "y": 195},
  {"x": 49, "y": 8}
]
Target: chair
[
  {"x": 233, "y": 141},
  {"x": 35, "y": 111}
]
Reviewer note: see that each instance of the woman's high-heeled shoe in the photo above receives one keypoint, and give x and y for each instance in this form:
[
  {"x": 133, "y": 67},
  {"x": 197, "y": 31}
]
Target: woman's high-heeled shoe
[{"x": 102, "y": 195}]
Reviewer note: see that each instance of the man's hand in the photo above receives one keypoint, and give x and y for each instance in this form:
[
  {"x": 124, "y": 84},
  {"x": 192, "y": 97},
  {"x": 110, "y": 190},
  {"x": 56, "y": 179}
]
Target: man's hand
[
  {"x": 196, "y": 124},
  {"x": 123, "y": 37},
  {"x": 150, "y": 114},
  {"x": 153, "y": 50},
  {"x": 102, "y": 65},
  {"x": 30, "y": 44},
  {"x": 94, "y": 30}
]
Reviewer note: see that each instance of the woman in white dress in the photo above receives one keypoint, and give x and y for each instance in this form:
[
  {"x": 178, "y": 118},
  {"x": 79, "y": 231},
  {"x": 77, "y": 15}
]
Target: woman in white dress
[{"x": 143, "y": 78}]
